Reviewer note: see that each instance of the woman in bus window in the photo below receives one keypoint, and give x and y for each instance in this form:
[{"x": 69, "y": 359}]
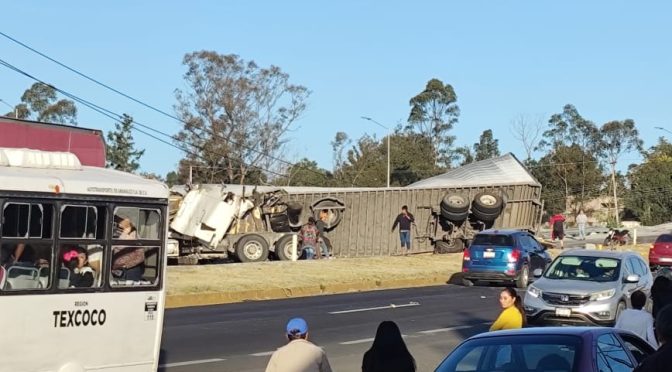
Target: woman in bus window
[
  {"x": 128, "y": 262},
  {"x": 77, "y": 261}
]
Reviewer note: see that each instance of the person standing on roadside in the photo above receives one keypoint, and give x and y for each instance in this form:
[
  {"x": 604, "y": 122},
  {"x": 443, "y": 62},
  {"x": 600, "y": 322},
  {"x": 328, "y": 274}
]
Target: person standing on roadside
[
  {"x": 309, "y": 236},
  {"x": 405, "y": 219},
  {"x": 557, "y": 224},
  {"x": 388, "y": 352},
  {"x": 299, "y": 355},
  {"x": 661, "y": 359},
  {"x": 513, "y": 314},
  {"x": 637, "y": 320},
  {"x": 323, "y": 239},
  {"x": 581, "y": 222}
]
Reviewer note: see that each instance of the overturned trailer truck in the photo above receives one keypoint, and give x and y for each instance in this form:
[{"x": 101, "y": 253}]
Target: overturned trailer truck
[{"x": 449, "y": 210}]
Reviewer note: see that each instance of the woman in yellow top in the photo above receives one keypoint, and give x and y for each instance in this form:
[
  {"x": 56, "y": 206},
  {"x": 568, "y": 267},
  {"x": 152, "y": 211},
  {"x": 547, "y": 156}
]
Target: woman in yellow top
[{"x": 512, "y": 315}]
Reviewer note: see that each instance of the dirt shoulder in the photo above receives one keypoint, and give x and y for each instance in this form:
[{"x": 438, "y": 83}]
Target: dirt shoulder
[{"x": 228, "y": 283}]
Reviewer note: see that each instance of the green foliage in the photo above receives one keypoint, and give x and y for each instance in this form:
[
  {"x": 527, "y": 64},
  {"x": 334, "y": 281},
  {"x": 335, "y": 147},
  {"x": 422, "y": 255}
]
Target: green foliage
[
  {"x": 121, "y": 152},
  {"x": 649, "y": 197},
  {"x": 487, "y": 147},
  {"x": 172, "y": 179},
  {"x": 434, "y": 113},
  {"x": 236, "y": 115},
  {"x": 305, "y": 173},
  {"x": 40, "y": 102}
]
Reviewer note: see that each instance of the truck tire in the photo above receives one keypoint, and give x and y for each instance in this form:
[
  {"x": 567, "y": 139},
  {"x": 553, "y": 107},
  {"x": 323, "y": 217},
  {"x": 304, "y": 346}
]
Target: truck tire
[
  {"x": 252, "y": 248},
  {"x": 485, "y": 217},
  {"x": 454, "y": 217},
  {"x": 454, "y": 203},
  {"x": 283, "y": 248},
  {"x": 487, "y": 203},
  {"x": 294, "y": 210},
  {"x": 279, "y": 222},
  {"x": 335, "y": 215},
  {"x": 452, "y": 246}
]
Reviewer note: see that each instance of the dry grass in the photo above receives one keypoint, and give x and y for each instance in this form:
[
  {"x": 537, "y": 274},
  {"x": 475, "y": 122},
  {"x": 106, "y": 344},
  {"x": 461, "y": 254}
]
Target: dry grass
[
  {"x": 351, "y": 273},
  {"x": 323, "y": 273}
]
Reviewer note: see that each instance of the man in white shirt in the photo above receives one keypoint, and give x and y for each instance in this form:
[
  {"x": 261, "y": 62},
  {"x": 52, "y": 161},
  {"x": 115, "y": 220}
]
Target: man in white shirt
[
  {"x": 638, "y": 321},
  {"x": 299, "y": 355}
]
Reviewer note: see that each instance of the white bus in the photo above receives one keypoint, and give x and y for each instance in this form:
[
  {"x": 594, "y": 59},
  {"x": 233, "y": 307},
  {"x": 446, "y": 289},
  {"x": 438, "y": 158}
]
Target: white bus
[{"x": 82, "y": 275}]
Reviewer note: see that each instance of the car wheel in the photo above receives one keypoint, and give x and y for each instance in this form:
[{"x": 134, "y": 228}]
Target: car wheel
[{"x": 524, "y": 277}]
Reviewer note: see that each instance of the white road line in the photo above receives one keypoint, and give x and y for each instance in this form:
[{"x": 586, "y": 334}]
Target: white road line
[
  {"x": 448, "y": 329},
  {"x": 362, "y": 341},
  {"x": 391, "y": 306},
  {"x": 191, "y": 362},
  {"x": 265, "y": 353}
]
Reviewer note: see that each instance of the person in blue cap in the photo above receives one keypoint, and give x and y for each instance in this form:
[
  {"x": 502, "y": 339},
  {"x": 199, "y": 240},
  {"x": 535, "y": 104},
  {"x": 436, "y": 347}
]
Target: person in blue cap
[{"x": 299, "y": 355}]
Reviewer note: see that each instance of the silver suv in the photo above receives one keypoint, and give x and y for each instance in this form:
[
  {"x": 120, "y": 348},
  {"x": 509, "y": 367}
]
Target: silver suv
[{"x": 586, "y": 287}]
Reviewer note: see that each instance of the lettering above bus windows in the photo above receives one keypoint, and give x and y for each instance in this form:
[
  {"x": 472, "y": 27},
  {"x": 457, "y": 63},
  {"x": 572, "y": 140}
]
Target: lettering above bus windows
[
  {"x": 27, "y": 220},
  {"x": 83, "y": 222},
  {"x": 79, "y": 318}
]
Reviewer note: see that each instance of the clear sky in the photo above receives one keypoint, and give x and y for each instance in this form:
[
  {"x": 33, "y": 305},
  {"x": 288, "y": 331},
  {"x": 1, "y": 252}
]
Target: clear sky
[{"x": 611, "y": 59}]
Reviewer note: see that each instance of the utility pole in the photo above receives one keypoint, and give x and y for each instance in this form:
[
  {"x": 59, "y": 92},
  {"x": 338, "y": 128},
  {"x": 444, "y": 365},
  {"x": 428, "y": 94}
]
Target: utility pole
[
  {"x": 613, "y": 180},
  {"x": 389, "y": 136}
]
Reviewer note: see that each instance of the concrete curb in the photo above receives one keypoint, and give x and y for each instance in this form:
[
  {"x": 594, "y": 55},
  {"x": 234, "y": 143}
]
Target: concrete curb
[{"x": 218, "y": 298}]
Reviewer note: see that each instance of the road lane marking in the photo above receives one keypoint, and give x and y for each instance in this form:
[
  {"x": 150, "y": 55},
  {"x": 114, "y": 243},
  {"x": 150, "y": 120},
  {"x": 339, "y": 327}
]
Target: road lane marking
[
  {"x": 448, "y": 329},
  {"x": 362, "y": 341},
  {"x": 265, "y": 353},
  {"x": 191, "y": 362},
  {"x": 390, "y": 306}
]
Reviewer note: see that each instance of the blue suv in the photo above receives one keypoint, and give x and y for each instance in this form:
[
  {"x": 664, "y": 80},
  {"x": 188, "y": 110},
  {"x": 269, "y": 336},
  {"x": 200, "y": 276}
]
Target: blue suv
[{"x": 503, "y": 256}]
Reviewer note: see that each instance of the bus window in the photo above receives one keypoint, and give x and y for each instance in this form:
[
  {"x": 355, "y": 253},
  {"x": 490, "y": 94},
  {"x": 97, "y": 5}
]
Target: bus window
[
  {"x": 27, "y": 265},
  {"x": 26, "y": 220},
  {"x": 136, "y": 263},
  {"x": 80, "y": 265},
  {"x": 146, "y": 222},
  {"x": 83, "y": 222}
]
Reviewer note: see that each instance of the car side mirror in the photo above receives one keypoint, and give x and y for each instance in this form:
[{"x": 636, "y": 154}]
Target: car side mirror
[
  {"x": 537, "y": 273},
  {"x": 632, "y": 278}
]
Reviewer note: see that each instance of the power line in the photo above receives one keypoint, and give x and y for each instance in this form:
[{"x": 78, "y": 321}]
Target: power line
[
  {"x": 117, "y": 117},
  {"x": 140, "y": 102}
]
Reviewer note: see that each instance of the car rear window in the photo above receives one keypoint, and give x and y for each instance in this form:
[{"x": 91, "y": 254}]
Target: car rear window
[
  {"x": 515, "y": 353},
  {"x": 490, "y": 239},
  {"x": 664, "y": 239}
]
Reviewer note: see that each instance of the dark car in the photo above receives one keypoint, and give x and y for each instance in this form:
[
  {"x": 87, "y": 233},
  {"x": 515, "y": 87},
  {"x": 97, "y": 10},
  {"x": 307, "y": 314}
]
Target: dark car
[
  {"x": 552, "y": 349},
  {"x": 660, "y": 253},
  {"x": 503, "y": 256}
]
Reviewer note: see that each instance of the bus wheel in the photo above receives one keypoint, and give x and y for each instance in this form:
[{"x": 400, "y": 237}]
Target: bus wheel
[{"x": 252, "y": 248}]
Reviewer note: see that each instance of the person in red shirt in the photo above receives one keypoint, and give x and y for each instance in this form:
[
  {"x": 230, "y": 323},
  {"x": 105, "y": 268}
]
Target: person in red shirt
[{"x": 557, "y": 224}]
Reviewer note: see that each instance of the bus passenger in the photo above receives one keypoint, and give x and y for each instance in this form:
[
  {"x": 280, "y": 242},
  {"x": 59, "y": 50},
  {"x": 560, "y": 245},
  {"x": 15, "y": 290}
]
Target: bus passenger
[
  {"x": 128, "y": 262},
  {"x": 82, "y": 274}
]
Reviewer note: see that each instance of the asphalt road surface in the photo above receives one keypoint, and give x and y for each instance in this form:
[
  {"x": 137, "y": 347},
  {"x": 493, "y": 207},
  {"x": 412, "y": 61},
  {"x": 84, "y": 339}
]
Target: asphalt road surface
[{"x": 241, "y": 337}]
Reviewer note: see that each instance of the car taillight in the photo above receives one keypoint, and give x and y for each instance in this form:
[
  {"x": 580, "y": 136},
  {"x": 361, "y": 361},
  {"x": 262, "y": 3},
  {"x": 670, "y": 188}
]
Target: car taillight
[
  {"x": 514, "y": 256},
  {"x": 466, "y": 256}
]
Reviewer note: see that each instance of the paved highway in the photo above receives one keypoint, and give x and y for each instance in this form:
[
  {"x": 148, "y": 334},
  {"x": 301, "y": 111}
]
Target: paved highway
[{"x": 241, "y": 337}]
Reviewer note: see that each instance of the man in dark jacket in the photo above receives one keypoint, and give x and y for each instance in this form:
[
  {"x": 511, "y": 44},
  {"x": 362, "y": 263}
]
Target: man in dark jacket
[
  {"x": 404, "y": 220},
  {"x": 661, "y": 360}
]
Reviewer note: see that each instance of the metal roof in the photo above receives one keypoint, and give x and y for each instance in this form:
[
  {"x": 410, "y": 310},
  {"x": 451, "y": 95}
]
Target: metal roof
[{"x": 504, "y": 170}]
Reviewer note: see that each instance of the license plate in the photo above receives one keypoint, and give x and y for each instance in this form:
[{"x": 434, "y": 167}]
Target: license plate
[
  {"x": 562, "y": 311},
  {"x": 665, "y": 259},
  {"x": 487, "y": 254}
]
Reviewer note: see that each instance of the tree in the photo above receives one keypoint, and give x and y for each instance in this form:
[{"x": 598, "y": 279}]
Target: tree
[
  {"x": 465, "y": 154},
  {"x": 434, "y": 113},
  {"x": 528, "y": 132},
  {"x": 40, "y": 102},
  {"x": 650, "y": 194},
  {"x": 568, "y": 129},
  {"x": 236, "y": 115},
  {"x": 305, "y": 173},
  {"x": 487, "y": 147},
  {"x": 617, "y": 138},
  {"x": 172, "y": 179},
  {"x": 121, "y": 152}
]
